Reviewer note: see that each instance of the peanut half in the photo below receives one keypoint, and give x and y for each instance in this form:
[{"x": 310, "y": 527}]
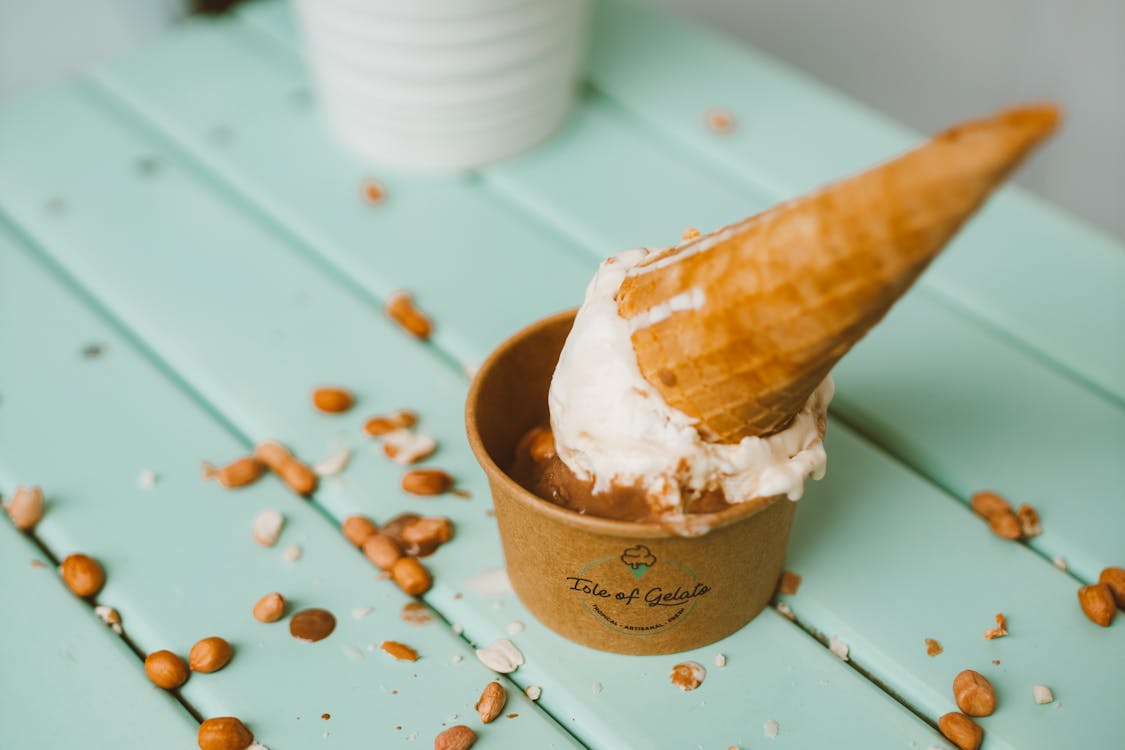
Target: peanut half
[
  {"x": 238, "y": 473},
  {"x": 987, "y": 504},
  {"x": 26, "y": 507},
  {"x": 166, "y": 670},
  {"x": 382, "y": 551},
  {"x": 382, "y": 424},
  {"x": 332, "y": 399},
  {"x": 457, "y": 737},
  {"x": 1098, "y": 603},
  {"x": 82, "y": 575},
  {"x": 400, "y": 651},
  {"x": 210, "y": 655},
  {"x": 426, "y": 482},
  {"x": 269, "y": 608},
  {"x": 401, "y": 309},
  {"x": 491, "y": 701},
  {"x": 224, "y": 733},
  {"x": 299, "y": 476},
  {"x": 357, "y": 529},
  {"x": 411, "y": 576},
  {"x": 961, "y": 731},
  {"x": 1114, "y": 577},
  {"x": 974, "y": 693}
]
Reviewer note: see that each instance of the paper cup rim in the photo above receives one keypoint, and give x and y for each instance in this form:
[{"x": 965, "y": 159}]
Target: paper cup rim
[{"x": 594, "y": 524}]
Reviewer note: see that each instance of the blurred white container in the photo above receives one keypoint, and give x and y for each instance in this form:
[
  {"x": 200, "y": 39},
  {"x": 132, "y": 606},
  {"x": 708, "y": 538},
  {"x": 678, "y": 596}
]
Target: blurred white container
[{"x": 444, "y": 84}]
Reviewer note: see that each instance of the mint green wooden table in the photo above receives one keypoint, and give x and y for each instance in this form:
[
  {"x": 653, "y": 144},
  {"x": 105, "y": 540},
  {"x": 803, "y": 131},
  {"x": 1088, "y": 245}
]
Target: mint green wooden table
[{"x": 184, "y": 210}]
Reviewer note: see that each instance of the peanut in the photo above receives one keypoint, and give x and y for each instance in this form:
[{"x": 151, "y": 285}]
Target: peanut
[
  {"x": 357, "y": 529},
  {"x": 426, "y": 482},
  {"x": 411, "y": 576},
  {"x": 238, "y": 473},
  {"x": 82, "y": 575},
  {"x": 299, "y": 476},
  {"x": 1005, "y": 525},
  {"x": 491, "y": 701},
  {"x": 401, "y": 309},
  {"x": 542, "y": 446},
  {"x": 381, "y": 425},
  {"x": 987, "y": 504},
  {"x": 382, "y": 551},
  {"x": 332, "y": 400},
  {"x": 1114, "y": 577},
  {"x": 974, "y": 693},
  {"x": 26, "y": 507},
  {"x": 687, "y": 675},
  {"x": 1098, "y": 603},
  {"x": 166, "y": 670},
  {"x": 457, "y": 737},
  {"x": 961, "y": 731},
  {"x": 210, "y": 655},
  {"x": 400, "y": 651},
  {"x": 224, "y": 733},
  {"x": 426, "y": 534},
  {"x": 269, "y": 608}
]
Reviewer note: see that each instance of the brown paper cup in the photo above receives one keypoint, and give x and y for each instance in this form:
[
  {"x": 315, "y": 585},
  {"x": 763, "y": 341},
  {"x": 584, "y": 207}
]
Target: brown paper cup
[{"x": 630, "y": 588}]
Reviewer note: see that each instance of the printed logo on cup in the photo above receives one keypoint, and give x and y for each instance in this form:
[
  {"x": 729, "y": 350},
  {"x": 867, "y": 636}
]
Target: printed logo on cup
[{"x": 637, "y": 594}]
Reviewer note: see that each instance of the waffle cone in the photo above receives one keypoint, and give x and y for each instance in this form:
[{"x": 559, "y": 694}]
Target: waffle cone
[{"x": 738, "y": 328}]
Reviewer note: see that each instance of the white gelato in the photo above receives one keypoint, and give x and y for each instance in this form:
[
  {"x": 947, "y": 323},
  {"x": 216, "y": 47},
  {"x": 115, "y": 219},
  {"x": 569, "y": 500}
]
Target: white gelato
[{"x": 612, "y": 426}]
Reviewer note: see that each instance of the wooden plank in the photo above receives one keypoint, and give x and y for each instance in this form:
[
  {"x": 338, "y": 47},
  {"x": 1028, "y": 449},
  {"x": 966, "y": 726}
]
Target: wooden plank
[
  {"x": 307, "y": 326},
  {"x": 1050, "y": 282},
  {"x": 179, "y": 558},
  {"x": 68, "y": 681}
]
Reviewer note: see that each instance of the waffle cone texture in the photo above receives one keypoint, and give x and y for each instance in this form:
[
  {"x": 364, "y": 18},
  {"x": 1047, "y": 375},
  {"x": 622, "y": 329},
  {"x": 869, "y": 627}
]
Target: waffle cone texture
[{"x": 737, "y": 328}]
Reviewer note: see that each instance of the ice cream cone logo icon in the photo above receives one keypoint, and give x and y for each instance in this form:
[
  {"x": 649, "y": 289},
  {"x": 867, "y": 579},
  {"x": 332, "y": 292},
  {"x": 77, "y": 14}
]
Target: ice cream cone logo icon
[{"x": 639, "y": 559}]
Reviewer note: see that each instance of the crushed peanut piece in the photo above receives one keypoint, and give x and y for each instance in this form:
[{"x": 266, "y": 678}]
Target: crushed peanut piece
[
  {"x": 788, "y": 583},
  {"x": 1000, "y": 630},
  {"x": 687, "y": 675},
  {"x": 146, "y": 480},
  {"x": 1059, "y": 562},
  {"x": 933, "y": 648},
  {"x": 416, "y": 613},
  {"x": 786, "y": 611},
  {"x": 407, "y": 447},
  {"x": 720, "y": 660},
  {"x": 1042, "y": 694},
  {"x": 332, "y": 465},
  {"x": 373, "y": 191},
  {"x": 771, "y": 728},
  {"x": 838, "y": 647},
  {"x": 401, "y": 309},
  {"x": 238, "y": 473},
  {"x": 1029, "y": 521},
  {"x": 690, "y": 233},
  {"x": 267, "y": 527},
  {"x": 292, "y": 553},
  {"x": 533, "y": 692},
  {"x": 719, "y": 120},
  {"x": 501, "y": 656},
  {"x": 382, "y": 424},
  {"x": 400, "y": 651},
  {"x": 26, "y": 507},
  {"x": 110, "y": 617}
]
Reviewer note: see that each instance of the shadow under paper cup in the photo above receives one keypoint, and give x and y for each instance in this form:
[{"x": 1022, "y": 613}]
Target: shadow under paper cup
[{"x": 626, "y": 587}]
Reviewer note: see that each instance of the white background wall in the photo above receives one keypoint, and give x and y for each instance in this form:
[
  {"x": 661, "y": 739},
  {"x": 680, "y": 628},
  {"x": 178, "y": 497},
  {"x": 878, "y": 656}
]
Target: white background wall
[{"x": 926, "y": 63}]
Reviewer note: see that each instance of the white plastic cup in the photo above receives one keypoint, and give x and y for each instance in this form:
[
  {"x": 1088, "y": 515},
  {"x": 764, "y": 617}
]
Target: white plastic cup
[{"x": 442, "y": 85}]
